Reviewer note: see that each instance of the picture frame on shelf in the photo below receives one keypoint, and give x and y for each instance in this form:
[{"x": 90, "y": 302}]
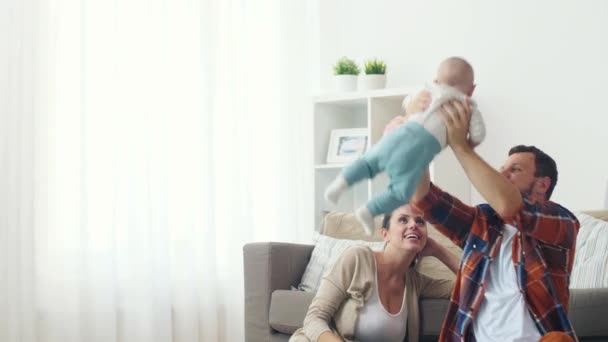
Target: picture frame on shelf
[{"x": 346, "y": 145}]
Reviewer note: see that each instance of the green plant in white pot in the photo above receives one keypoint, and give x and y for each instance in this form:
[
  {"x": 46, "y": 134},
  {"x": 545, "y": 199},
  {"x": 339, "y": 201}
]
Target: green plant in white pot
[
  {"x": 345, "y": 74},
  {"x": 375, "y": 75}
]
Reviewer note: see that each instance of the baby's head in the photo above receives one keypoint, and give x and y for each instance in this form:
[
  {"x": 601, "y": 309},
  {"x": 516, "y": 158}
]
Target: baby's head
[{"x": 458, "y": 73}]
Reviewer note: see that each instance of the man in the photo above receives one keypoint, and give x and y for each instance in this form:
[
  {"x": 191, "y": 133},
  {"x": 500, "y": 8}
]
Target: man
[{"x": 518, "y": 249}]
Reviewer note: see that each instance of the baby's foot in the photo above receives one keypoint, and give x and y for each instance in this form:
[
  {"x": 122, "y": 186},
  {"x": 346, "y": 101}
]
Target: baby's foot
[
  {"x": 365, "y": 217},
  {"x": 335, "y": 189}
]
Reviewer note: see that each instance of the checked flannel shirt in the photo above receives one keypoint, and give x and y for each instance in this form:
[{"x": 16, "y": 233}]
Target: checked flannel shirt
[{"x": 543, "y": 253}]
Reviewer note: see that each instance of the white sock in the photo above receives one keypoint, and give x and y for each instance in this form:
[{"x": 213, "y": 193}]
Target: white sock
[
  {"x": 365, "y": 217},
  {"x": 335, "y": 189}
]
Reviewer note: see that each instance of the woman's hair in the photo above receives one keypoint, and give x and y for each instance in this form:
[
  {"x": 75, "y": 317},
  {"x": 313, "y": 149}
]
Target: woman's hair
[{"x": 386, "y": 221}]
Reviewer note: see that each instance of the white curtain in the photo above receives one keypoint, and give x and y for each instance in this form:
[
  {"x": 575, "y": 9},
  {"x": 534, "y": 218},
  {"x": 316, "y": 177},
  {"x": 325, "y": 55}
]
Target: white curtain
[{"x": 142, "y": 143}]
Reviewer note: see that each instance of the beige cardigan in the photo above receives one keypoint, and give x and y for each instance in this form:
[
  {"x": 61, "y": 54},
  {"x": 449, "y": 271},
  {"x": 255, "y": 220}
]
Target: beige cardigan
[{"x": 346, "y": 288}]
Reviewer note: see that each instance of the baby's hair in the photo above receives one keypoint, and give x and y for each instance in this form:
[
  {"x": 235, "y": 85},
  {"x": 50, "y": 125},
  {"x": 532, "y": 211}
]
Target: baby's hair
[{"x": 460, "y": 63}]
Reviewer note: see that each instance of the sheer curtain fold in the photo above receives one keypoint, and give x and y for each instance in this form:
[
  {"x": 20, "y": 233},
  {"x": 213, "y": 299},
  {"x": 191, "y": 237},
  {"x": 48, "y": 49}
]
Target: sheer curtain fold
[{"x": 143, "y": 143}]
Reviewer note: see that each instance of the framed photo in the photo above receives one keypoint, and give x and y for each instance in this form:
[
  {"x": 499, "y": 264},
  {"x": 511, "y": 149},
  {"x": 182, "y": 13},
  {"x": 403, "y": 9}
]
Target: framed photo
[{"x": 346, "y": 145}]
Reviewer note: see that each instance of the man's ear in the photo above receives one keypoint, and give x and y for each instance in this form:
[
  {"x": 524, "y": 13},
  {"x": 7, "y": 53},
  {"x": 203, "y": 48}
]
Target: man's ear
[{"x": 542, "y": 185}]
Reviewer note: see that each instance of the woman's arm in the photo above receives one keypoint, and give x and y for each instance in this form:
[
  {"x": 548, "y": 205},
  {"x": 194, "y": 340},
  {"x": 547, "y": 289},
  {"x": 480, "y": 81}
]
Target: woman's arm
[
  {"x": 448, "y": 258},
  {"x": 328, "y": 336},
  {"x": 330, "y": 296}
]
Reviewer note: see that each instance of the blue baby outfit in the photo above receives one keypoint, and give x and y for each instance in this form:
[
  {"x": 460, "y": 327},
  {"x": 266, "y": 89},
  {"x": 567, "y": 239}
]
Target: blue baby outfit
[{"x": 404, "y": 154}]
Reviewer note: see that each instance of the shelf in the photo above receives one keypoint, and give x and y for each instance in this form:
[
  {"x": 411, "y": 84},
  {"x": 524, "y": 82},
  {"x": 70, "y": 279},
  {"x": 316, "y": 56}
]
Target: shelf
[
  {"x": 371, "y": 110},
  {"x": 360, "y": 97},
  {"x": 329, "y": 166}
]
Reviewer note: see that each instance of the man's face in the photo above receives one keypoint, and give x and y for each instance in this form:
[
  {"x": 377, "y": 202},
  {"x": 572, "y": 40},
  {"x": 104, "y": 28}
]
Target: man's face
[{"x": 519, "y": 169}]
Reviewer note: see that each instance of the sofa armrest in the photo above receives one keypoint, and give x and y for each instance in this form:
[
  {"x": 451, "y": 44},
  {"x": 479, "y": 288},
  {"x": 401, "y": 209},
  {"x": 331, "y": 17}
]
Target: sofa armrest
[{"x": 269, "y": 266}]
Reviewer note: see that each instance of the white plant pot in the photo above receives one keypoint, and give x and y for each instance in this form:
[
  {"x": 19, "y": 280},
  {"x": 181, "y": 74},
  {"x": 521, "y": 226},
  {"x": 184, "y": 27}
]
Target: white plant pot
[
  {"x": 346, "y": 82},
  {"x": 370, "y": 82}
]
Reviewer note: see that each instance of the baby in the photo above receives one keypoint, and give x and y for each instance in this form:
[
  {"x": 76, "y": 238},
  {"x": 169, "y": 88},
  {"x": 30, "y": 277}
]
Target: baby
[{"x": 406, "y": 151}]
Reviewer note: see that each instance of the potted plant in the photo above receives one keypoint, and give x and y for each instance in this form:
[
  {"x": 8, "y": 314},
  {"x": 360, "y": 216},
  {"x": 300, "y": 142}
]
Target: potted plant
[
  {"x": 346, "y": 71},
  {"x": 375, "y": 75}
]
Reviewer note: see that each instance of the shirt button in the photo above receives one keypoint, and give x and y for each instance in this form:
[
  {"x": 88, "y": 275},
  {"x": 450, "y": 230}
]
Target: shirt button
[{"x": 474, "y": 246}]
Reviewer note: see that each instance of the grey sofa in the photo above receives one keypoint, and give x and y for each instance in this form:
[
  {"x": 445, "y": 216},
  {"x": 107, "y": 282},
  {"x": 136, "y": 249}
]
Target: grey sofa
[{"x": 273, "y": 311}]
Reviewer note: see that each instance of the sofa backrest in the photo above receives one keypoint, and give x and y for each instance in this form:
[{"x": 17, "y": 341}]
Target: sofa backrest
[
  {"x": 599, "y": 214},
  {"x": 345, "y": 226}
]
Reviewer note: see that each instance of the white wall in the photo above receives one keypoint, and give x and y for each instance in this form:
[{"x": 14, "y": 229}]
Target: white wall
[{"x": 541, "y": 67}]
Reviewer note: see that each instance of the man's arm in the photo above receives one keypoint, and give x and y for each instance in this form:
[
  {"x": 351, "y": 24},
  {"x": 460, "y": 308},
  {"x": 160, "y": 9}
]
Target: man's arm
[
  {"x": 446, "y": 213},
  {"x": 423, "y": 187},
  {"x": 501, "y": 195}
]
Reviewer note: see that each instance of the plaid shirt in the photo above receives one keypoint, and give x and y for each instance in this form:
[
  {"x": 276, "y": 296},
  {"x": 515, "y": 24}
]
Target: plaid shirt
[{"x": 543, "y": 253}]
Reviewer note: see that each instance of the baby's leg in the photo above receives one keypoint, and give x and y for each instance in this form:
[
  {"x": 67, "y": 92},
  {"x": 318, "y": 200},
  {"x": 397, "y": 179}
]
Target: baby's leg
[
  {"x": 360, "y": 169},
  {"x": 383, "y": 203}
]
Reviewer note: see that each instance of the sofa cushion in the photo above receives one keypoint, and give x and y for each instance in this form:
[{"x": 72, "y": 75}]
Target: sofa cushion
[
  {"x": 288, "y": 309},
  {"x": 327, "y": 250},
  {"x": 432, "y": 313},
  {"x": 587, "y": 308},
  {"x": 590, "y": 268},
  {"x": 345, "y": 226}
]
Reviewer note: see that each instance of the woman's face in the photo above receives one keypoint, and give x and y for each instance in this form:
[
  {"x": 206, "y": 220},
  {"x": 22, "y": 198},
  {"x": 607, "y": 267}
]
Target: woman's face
[{"x": 407, "y": 230}]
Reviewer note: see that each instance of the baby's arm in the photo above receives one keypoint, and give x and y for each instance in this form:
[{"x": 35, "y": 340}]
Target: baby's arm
[
  {"x": 410, "y": 105},
  {"x": 394, "y": 123},
  {"x": 477, "y": 129}
]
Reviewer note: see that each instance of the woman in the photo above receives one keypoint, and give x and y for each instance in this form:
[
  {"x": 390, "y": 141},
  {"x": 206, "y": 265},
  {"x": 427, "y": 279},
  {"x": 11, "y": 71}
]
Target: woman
[{"x": 373, "y": 296}]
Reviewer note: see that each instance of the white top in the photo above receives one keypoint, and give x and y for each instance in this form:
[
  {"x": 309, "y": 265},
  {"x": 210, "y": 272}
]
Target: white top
[
  {"x": 433, "y": 122},
  {"x": 376, "y": 324},
  {"x": 503, "y": 315}
]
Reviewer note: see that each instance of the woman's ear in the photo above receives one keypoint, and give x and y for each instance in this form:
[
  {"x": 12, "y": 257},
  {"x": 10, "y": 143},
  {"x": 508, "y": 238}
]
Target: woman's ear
[{"x": 384, "y": 233}]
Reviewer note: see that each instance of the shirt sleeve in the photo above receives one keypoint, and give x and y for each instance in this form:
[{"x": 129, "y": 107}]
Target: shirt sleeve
[
  {"x": 447, "y": 213},
  {"x": 548, "y": 222}
]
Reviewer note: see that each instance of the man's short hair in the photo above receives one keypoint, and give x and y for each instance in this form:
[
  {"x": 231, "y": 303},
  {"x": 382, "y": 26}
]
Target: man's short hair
[{"x": 545, "y": 165}]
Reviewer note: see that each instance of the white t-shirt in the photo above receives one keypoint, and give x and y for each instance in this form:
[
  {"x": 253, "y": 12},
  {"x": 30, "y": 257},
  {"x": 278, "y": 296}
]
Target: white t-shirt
[
  {"x": 432, "y": 121},
  {"x": 377, "y": 324},
  {"x": 503, "y": 315}
]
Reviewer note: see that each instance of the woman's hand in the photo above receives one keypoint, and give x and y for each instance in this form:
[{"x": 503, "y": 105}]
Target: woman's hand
[
  {"x": 431, "y": 248},
  {"x": 419, "y": 103}
]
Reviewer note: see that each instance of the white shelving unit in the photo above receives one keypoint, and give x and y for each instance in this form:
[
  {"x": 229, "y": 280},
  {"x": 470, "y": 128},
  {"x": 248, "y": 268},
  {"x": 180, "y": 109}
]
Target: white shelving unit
[{"x": 371, "y": 110}]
